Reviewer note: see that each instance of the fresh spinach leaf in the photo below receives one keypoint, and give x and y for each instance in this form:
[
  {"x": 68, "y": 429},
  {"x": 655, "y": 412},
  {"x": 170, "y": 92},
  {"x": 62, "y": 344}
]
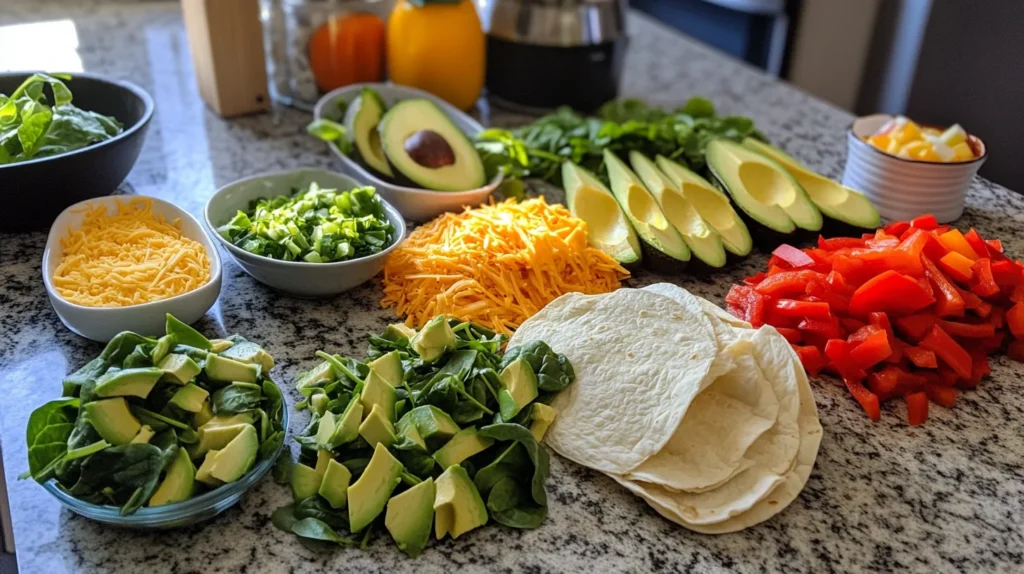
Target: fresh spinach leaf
[
  {"x": 554, "y": 371},
  {"x": 47, "y": 433},
  {"x": 509, "y": 503},
  {"x": 236, "y": 398},
  {"x": 282, "y": 471},
  {"x": 538, "y": 456}
]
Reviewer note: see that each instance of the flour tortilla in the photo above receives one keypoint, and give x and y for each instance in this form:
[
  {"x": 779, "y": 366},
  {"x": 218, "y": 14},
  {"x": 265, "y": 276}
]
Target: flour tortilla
[
  {"x": 640, "y": 359},
  {"x": 728, "y": 329}
]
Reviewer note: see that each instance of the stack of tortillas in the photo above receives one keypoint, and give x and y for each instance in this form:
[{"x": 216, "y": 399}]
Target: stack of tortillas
[{"x": 708, "y": 420}]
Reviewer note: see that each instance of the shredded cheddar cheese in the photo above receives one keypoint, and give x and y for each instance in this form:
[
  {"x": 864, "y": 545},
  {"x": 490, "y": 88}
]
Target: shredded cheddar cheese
[
  {"x": 495, "y": 265},
  {"x": 127, "y": 258}
]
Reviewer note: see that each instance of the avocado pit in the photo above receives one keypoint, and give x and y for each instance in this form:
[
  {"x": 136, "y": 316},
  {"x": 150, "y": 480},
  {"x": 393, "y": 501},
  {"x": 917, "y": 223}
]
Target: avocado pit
[{"x": 429, "y": 149}]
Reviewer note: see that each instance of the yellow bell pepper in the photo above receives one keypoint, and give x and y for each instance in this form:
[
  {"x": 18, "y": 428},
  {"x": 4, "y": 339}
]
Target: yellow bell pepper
[{"x": 438, "y": 47}]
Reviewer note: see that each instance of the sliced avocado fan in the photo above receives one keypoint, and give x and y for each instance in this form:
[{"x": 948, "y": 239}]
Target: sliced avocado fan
[
  {"x": 704, "y": 242},
  {"x": 643, "y": 211},
  {"x": 833, "y": 199},
  {"x": 607, "y": 227},
  {"x": 711, "y": 204},
  {"x": 762, "y": 188},
  {"x": 361, "y": 119}
]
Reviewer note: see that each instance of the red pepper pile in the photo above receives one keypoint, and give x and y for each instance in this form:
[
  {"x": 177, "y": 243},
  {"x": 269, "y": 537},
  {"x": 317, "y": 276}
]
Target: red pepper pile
[{"x": 913, "y": 310}]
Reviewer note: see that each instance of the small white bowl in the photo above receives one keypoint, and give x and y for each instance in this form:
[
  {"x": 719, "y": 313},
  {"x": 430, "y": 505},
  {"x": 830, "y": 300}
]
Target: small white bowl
[
  {"x": 299, "y": 278},
  {"x": 903, "y": 188},
  {"x": 102, "y": 323},
  {"x": 414, "y": 203}
]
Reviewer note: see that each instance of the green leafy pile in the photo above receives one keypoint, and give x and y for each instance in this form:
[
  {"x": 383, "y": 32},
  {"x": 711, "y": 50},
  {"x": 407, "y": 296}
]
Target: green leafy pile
[
  {"x": 537, "y": 150},
  {"x": 315, "y": 224},
  {"x": 464, "y": 381},
  {"x": 32, "y": 128},
  {"x": 68, "y": 441}
]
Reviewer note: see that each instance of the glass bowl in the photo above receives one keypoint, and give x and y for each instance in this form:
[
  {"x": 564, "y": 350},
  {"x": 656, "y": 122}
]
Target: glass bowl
[{"x": 198, "y": 509}]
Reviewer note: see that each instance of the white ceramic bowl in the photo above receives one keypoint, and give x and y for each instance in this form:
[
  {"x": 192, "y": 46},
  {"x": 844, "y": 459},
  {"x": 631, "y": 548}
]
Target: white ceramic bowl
[
  {"x": 102, "y": 323},
  {"x": 298, "y": 278},
  {"x": 903, "y": 188},
  {"x": 416, "y": 204}
]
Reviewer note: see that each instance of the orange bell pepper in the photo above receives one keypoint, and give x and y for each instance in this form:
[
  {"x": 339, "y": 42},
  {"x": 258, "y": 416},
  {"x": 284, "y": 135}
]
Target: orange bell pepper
[
  {"x": 949, "y": 303},
  {"x": 917, "y": 408},
  {"x": 957, "y": 266},
  {"x": 951, "y": 353},
  {"x": 890, "y": 292},
  {"x": 954, "y": 241}
]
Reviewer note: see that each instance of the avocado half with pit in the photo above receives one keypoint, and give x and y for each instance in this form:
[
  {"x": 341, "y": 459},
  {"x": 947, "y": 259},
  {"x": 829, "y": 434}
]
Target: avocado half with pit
[
  {"x": 712, "y": 205},
  {"x": 426, "y": 149},
  {"x": 361, "y": 119},
  {"x": 607, "y": 226},
  {"x": 835, "y": 200},
  {"x": 704, "y": 242},
  {"x": 643, "y": 211},
  {"x": 762, "y": 189}
]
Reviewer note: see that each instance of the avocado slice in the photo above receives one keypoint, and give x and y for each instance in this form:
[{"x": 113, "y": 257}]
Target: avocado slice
[
  {"x": 229, "y": 370},
  {"x": 163, "y": 346},
  {"x": 377, "y": 391},
  {"x": 190, "y": 398},
  {"x": 458, "y": 507},
  {"x": 251, "y": 353},
  {"x": 761, "y": 188},
  {"x": 642, "y": 210},
  {"x": 220, "y": 345},
  {"x": 128, "y": 382},
  {"x": 112, "y": 420},
  {"x": 203, "y": 474},
  {"x": 410, "y": 516},
  {"x": 368, "y": 496},
  {"x": 436, "y": 337},
  {"x": 306, "y": 481},
  {"x": 346, "y": 426},
  {"x": 204, "y": 415},
  {"x": 433, "y": 425},
  {"x": 833, "y": 199},
  {"x": 704, "y": 242},
  {"x": 325, "y": 430},
  {"x": 423, "y": 146},
  {"x": 178, "y": 483},
  {"x": 712, "y": 205},
  {"x": 235, "y": 459},
  {"x": 178, "y": 369},
  {"x": 607, "y": 226},
  {"x": 361, "y": 119},
  {"x": 323, "y": 458},
  {"x": 398, "y": 331},
  {"x": 334, "y": 486},
  {"x": 463, "y": 445},
  {"x": 144, "y": 435},
  {"x": 519, "y": 387},
  {"x": 541, "y": 416},
  {"x": 215, "y": 438},
  {"x": 389, "y": 367},
  {"x": 316, "y": 376},
  {"x": 377, "y": 429}
]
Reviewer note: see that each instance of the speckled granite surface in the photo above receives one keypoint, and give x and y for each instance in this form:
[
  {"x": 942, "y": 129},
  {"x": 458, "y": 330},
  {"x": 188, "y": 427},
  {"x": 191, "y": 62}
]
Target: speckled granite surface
[{"x": 945, "y": 497}]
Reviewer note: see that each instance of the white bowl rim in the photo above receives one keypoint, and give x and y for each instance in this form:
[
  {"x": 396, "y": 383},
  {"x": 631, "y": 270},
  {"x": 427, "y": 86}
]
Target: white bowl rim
[
  {"x": 852, "y": 136},
  {"x": 413, "y": 93},
  {"x": 208, "y": 244},
  {"x": 238, "y": 252}
]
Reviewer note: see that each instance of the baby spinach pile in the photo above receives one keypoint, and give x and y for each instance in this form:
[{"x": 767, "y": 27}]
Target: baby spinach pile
[
  {"x": 459, "y": 375},
  {"x": 132, "y": 420},
  {"x": 537, "y": 150},
  {"x": 31, "y": 128}
]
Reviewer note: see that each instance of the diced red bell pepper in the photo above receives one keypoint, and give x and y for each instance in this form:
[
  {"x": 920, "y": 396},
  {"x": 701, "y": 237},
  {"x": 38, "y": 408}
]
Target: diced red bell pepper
[
  {"x": 811, "y": 358},
  {"x": 995, "y": 244},
  {"x": 979, "y": 369},
  {"x": 948, "y": 302},
  {"x": 915, "y": 327},
  {"x": 922, "y": 358},
  {"x": 755, "y": 279},
  {"x": 749, "y": 302},
  {"x": 1017, "y": 294},
  {"x": 838, "y": 353},
  {"x": 944, "y": 396},
  {"x": 1015, "y": 320},
  {"x": 1006, "y": 273},
  {"x": 968, "y": 330},
  {"x": 793, "y": 308},
  {"x": 1015, "y": 350},
  {"x": 917, "y": 408},
  {"x": 792, "y": 335},
  {"x": 897, "y": 228},
  {"x": 775, "y": 269},
  {"x": 836, "y": 243},
  {"x": 916, "y": 243},
  {"x": 851, "y": 325},
  {"x": 983, "y": 283},
  {"x": 890, "y": 292},
  {"x": 839, "y": 303},
  {"x": 926, "y": 222},
  {"x": 957, "y": 266},
  {"x": 788, "y": 283},
  {"x": 855, "y": 271},
  {"x": 974, "y": 303},
  {"x": 793, "y": 256},
  {"x": 977, "y": 244},
  {"x": 954, "y": 241},
  {"x": 862, "y": 334},
  {"x": 872, "y": 350},
  {"x": 881, "y": 320},
  {"x": 868, "y": 400},
  {"x": 951, "y": 353},
  {"x": 838, "y": 283},
  {"x": 884, "y": 383},
  {"x": 824, "y": 327}
]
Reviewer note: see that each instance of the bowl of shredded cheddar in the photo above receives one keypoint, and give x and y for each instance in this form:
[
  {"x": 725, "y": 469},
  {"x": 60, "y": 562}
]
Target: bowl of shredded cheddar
[{"x": 121, "y": 263}]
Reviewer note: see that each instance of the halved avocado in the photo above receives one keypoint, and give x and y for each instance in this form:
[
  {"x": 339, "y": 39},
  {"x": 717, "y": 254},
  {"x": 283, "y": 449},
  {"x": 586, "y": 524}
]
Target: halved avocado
[
  {"x": 762, "y": 188},
  {"x": 711, "y": 204},
  {"x": 833, "y": 199},
  {"x": 425, "y": 147},
  {"x": 703, "y": 241},
  {"x": 361, "y": 120},
  {"x": 642, "y": 210},
  {"x": 607, "y": 227}
]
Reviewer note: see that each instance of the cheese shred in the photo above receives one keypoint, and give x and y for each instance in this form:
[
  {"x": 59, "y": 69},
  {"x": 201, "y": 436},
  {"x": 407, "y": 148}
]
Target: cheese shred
[
  {"x": 495, "y": 265},
  {"x": 127, "y": 258}
]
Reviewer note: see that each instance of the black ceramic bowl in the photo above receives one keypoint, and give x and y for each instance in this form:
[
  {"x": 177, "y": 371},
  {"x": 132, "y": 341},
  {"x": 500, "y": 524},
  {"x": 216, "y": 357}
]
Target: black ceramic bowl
[{"x": 33, "y": 193}]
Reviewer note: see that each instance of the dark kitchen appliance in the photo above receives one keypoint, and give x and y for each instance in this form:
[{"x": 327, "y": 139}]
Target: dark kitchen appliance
[{"x": 542, "y": 54}]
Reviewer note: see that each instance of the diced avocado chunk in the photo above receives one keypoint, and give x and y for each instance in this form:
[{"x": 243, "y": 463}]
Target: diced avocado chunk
[
  {"x": 607, "y": 226},
  {"x": 316, "y": 376},
  {"x": 112, "y": 420},
  {"x": 235, "y": 459},
  {"x": 377, "y": 391},
  {"x": 398, "y": 331},
  {"x": 204, "y": 415},
  {"x": 145, "y": 433},
  {"x": 243, "y": 418},
  {"x": 325, "y": 430},
  {"x": 178, "y": 483},
  {"x": 163, "y": 346},
  {"x": 389, "y": 367},
  {"x": 463, "y": 445},
  {"x": 220, "y": 345},
  {"x": 190, "y": 398},
  {"x": 346, "y": 428},
  {"x": 178, "y": 368},
  {"x": 251, "y": 353},
  {"x": 542, "y": 416},
  {"x": 368, "y": 496},
  {"x": 377, "y": 429},
  {"x": 204, "y": 474},
  {"x": 185, "y": 335},
  {"x": 215, "y": 437},
  {"x": 229, "y": 370},
  {"x": 128, "y": 382},
  {"x": 323, "y": 458},
  {"x": 305, "y": 481},
  {"x": 436, "y": 337},
  {"x": 410, "y": 516},
  {"x": 334, "y": 486},
  {"x": 458, "y": 507},
  {"x": 407, "y": 429},
  {"x": 434, "y": 425},
  {"x": 519, "y": 388}
]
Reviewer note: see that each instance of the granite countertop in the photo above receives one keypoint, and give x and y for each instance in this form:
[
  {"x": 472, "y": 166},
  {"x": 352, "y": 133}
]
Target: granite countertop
[{"x": 944, "y": 497}]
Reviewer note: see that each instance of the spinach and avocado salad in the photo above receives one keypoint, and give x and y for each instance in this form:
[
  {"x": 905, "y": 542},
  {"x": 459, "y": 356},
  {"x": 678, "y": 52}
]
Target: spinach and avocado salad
[
  {"x": 436, "y": 429},
  {"x": 135, "y": 421},
  {"x": 315, "y": 225}
]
